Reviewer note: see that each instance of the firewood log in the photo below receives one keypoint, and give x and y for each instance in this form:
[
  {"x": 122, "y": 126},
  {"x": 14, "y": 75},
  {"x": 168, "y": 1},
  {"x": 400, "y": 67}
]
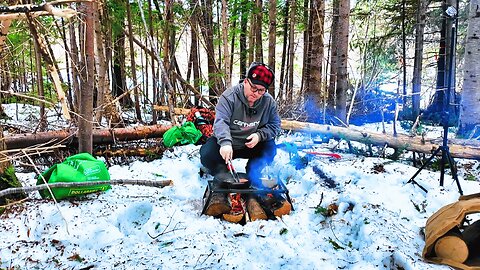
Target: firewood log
[
  {"x": 282, "y": 207},
  {"x": 255, "y": 211},
  {"x": 275, "y": 204},
  {"x": 237, "y": 211},
  {"x": 218, "y": 205},
  {"x": 471, "y": 236},
  {"x": 452, "y": 246},
  {"x": 233, "y": 217}
]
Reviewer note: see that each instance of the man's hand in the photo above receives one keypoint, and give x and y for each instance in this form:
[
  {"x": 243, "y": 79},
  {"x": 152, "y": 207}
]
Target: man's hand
[
  {"x": 252, "y": 140},
  {"x": 226, "y": 152}
]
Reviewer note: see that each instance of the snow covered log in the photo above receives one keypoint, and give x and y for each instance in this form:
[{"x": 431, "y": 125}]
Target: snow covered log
[{"x": 459, "y": 149}]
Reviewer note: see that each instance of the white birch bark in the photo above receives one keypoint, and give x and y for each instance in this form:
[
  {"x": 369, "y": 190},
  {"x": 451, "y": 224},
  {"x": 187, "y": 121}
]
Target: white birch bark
[{"x": 469, "y": 105}]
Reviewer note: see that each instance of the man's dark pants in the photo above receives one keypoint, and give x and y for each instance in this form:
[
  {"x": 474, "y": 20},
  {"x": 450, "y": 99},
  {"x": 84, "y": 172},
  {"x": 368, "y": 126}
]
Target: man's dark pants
[{"x": 258, "y": 157}]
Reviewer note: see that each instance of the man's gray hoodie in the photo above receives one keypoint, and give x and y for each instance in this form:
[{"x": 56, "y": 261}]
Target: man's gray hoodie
[{"x": 235, "y": 120}]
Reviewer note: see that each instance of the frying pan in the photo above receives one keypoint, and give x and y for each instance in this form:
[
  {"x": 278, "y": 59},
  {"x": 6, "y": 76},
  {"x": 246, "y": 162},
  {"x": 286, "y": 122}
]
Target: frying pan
[{"x": 227, "y": 180}]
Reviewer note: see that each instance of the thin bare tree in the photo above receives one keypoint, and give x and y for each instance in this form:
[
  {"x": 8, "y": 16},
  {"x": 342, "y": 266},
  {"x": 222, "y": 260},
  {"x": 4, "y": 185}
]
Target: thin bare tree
[
  {"x": 342, "y": 50},
  {"x": 313, "y": 94},
  {"x": 418, "y": 63},
  {"x": 272, "y": 39}
]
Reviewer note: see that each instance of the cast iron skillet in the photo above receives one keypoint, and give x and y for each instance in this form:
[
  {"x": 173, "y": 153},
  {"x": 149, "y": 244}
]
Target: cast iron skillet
[{"x": 226, "y": 180}]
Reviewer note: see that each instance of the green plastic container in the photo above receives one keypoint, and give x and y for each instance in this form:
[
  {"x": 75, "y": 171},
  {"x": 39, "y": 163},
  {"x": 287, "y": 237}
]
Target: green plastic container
[{"x": 82, "y": 167}]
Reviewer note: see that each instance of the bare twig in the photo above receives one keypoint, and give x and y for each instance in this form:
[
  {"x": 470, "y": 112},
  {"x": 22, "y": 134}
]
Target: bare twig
[
  {"x": 166, "y": 227},
  {"x": 49, "y": 190},
  {"x": 208, "y": 256},
  {"x": 150, "y": 183}
]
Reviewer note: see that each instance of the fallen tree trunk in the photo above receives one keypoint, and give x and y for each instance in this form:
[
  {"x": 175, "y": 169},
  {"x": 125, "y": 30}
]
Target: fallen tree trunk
[
  {"x": 100, "y": 136},
  {"x": 458, "y": 148},
  {"x": 403, "y": 142},
  {"x": 134, "y": 152},
  {"x": 149, "y": 183}
]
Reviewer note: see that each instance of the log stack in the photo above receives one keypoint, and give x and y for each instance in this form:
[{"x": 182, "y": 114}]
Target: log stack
[{"x": 246, "y": 207}]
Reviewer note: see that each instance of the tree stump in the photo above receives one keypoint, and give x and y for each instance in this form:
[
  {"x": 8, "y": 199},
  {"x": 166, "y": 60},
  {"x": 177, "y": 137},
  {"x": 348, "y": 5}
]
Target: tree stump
[{"x": 452, "y": 246}]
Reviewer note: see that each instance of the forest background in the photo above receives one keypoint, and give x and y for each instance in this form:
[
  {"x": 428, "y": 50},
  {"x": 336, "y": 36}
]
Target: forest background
[{"x": 95, "y": 59}]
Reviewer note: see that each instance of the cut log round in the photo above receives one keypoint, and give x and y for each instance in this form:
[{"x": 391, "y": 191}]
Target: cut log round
[
  {"x": 218, "y": 205},
  {"x": 234, "y": 218},
  {"x": 275, "y": 204},
  {"x": 451, "y": 246},
  {"x": 282, "y": 207},
  {"x": 255, "y": 211}
]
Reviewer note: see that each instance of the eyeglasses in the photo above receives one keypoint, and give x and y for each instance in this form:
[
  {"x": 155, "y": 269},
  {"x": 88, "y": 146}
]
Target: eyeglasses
[{"x": 255, "y": 89}]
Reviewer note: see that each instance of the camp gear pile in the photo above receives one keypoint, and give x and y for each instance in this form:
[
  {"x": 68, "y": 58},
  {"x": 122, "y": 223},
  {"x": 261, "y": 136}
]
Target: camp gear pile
[{"x": 449, "y": 239}]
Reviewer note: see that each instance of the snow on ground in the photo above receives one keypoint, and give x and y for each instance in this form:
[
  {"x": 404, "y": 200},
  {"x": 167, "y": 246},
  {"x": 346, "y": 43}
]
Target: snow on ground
[{"x": 377, "y": 226}]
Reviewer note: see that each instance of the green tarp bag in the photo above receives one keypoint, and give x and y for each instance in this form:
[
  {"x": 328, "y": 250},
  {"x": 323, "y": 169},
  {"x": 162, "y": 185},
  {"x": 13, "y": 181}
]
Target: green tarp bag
[
  {"x": 185, "y": 134},
  {"x": 82, "y": 167}
]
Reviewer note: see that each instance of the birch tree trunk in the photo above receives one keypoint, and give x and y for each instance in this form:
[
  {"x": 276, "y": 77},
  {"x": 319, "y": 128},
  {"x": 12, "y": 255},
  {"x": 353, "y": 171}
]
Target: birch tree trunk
[
  {"x": 52, "y": 70},
  {"x": 333, "y": 60},
  {"x": 154, "y": 70},
  {"x": 284, "y": 51},
  {"x": 469, "y": 109},
  {"x": 101, "y": 65},
  {"x": 133, "y": 64},
  {"x": 75, "y": 74}
]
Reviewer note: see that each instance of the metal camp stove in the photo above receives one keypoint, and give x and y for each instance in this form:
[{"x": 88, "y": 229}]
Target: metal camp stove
[{"x": 212, "y": 188}]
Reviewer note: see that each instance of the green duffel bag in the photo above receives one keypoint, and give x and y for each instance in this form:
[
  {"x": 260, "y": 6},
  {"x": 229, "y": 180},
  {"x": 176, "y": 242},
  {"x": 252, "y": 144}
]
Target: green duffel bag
[
  {"x": 82, "y": 167},
  {"x": 186, "y": 134}
]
